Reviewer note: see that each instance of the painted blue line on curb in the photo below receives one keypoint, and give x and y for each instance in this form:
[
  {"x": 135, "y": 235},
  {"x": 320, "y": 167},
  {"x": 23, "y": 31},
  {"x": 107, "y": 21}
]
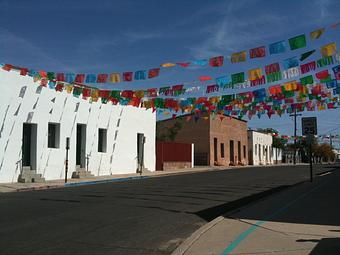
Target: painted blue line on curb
[
  {"x": 251, "y": 229},
  {"x": 73, "y": 184}
]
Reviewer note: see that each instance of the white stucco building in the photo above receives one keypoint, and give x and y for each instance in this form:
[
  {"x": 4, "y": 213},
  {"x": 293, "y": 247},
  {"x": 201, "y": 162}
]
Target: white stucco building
[
  {"x": 35, "y": 122},
  {"x": 261, "y": 151}
]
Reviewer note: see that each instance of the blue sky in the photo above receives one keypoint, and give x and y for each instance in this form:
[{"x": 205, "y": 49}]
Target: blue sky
[{"x": 125, "y": 35}]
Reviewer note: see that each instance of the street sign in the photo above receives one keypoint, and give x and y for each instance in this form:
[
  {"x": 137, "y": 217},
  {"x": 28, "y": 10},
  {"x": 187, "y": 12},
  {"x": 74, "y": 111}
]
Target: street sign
[{"x": 309, "y": 126}]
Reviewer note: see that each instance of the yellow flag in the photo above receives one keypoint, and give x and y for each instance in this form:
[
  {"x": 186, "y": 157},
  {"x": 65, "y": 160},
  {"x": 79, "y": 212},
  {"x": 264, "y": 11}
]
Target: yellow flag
[
  {"x": 317, "y": 33},
  {"x": 290, "y": 86},
  {"x": 168, "y": 65},
  {"x": 69, "y": 88},
  {"x": 238, "y": 57},
  {"x": 139, "y": 93},
  {"x": 254, "y": 74},
  {"x": 214, "y": 100},
  {"x": 94, "y": 95},
  {"x": 147, "y": 104},
  {"x": 328, "y": 50},
  {"x": 114, "y": 77}
]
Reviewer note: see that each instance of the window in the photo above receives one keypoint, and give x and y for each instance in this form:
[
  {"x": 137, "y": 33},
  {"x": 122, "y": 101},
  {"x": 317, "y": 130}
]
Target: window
[
  {"x": 244, "y": 151},
  {"x": 102, "y": 137},
  {"x": 53, "y": 135},
  {"x": 255, "y": 149},
  {"x": 222, "y": 150}
]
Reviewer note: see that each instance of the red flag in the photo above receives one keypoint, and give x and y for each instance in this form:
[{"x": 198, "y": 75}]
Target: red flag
[
  {"x": 258, "y": 52},
  {"x": 80, "y": 78},
  {"x": 7, "y": 67},
  {"x": 86, "y": 92},
  {"x": 216, "y": 61},
  {"x": 186, "y": 64},
  {"x": 127, "y": 93},
  {"x": 102, "y": 78},
  {"x": 205, "y": 78},
  {"x": 104, "y": 93},
  {"x": 153, "y": 73},
  {"x": 59, "y": 87},
  {"x": 322, "y": 75},
  {"x": 43, "y": 74},
  {"x": 60, "y": 77},
  {"x": 127, "y": 76},
  {"x": 152, "y": 92},
  {"x": 272, "y": 68},
  {"x": 23, "y": 71}
]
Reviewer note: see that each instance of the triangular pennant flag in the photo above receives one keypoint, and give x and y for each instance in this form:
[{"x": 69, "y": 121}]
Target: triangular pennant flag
[
  {"x": 306, "y": 55},
  {"x": 316, "y": 34}
]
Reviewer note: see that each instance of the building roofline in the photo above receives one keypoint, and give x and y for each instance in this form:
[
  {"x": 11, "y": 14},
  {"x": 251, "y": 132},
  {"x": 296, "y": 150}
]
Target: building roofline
[{"x": 190, "y": 114}]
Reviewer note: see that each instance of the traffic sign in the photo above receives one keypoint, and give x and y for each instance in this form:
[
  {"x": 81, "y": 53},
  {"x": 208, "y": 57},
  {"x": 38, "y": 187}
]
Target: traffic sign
[{"x": 309, "y": 126}]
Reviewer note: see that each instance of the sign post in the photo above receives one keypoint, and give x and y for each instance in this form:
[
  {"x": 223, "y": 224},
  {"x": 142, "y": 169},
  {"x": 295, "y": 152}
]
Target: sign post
[
  {"x": 66, "y": 161},
  {"x": 309, "y": 128}
]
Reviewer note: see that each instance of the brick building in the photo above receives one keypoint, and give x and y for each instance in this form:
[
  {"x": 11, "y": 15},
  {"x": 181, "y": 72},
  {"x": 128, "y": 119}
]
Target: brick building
[{"x": 218, "y": 141}]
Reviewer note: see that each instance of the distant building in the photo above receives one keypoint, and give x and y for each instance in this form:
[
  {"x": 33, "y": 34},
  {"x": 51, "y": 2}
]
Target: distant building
[
  {"x": 288, "y": 156},
  {"x": 35, "y": 122},
  {"x": 218, "y": 141},
  {"x": 259, "y": 145},
  {"x": 337, "y": 154}
]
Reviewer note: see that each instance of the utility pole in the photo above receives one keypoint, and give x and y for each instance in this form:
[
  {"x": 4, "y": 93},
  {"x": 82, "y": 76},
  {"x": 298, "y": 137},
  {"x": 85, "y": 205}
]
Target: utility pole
[{"x": 294, "y": 115}]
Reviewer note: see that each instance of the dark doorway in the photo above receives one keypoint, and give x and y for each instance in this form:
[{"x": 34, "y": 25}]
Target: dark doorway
[
  {"x": 29, "y": 145},
  {"x": 215, "y": 150},
  {"x": 81, "y": 145},
  {"x": 231, "y": 151},
  {"x": 140, "y": 152},
  {"x": 238, "y": 151}
]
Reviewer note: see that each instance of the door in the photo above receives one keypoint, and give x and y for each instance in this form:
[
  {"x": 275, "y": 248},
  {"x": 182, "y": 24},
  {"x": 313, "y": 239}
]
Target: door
[
  {"x": 81, "y": 145},
  {"x": 238, "y": 151},
  {"x": 140, "y": 152},
  {"x": 231, "y": 151},
  {"x": 29, "y": 145},
  {"x": 215, "y": 150}
]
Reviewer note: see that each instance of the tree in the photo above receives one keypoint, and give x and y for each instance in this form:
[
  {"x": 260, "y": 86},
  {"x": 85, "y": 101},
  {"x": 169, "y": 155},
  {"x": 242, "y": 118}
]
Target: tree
[{"x": 169, "y": 134}]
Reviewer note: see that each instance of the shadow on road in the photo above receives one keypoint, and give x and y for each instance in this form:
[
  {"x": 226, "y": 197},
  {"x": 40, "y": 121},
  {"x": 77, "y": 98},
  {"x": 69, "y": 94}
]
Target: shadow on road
[{"x": 327, "y": 246}]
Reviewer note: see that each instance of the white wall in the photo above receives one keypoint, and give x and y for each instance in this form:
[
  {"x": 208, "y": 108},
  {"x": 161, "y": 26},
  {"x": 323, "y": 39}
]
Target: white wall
[
  {"x": 260, "y": 146},
  {"x": 50, "y": 162}
]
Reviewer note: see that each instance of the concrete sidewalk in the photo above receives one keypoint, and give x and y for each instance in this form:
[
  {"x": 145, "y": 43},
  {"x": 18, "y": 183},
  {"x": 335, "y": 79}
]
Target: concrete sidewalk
[
  {"x": 303, "y": 219},
  {"x": 19, "y": 187}
]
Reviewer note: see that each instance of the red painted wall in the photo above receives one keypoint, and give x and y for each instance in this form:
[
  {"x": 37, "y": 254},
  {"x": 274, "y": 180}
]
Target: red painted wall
[{"x": 171, "y": 151}]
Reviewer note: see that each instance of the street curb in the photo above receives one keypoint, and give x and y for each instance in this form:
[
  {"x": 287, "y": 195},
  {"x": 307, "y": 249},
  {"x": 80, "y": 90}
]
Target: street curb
[
  {"x": 39, "y": 188},
  {"x": 180, "y": 250},
  {"x": 75, "y": 184},
  {"x": 185, "y": 246}
]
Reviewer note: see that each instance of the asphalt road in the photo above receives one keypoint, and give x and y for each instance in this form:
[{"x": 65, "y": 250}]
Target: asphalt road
[{"x": 148, "y": 216}]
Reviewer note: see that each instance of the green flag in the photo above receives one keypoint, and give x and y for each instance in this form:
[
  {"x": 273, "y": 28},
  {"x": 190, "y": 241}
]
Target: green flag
[
  {"x": 307, "y": 80},
  {"x": 237, "y": 78},
  {"x": 297, "y": 42},
  {"x": 77, "y": 91}
]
